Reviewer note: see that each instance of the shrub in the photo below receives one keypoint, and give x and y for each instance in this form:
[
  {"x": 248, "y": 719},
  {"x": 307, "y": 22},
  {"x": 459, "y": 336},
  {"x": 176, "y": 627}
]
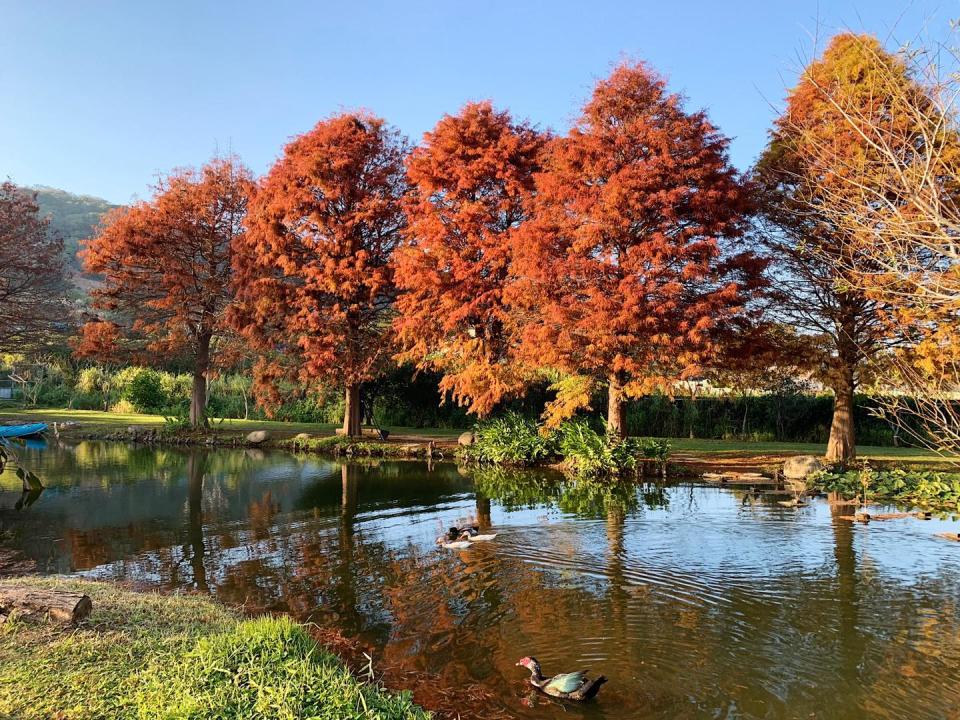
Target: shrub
[
  {"x": 86, "y": 401},
  {"x": 145, "y": 391},
  {"x": 176, "y": 388},
  {"x": 93, "y": 380},
  {"x": 123, "y": 407},
  {"x": 511, "y": 439},
  {"x": 590, "y": 453}
]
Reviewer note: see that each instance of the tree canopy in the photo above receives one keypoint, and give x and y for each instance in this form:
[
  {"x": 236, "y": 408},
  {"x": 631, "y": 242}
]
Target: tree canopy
[
  {"x": 166, "y": 269},
  {"x": 472, "y": 180},
  {"x": 33, "y": 309},
  {"x": 624, "y": 271},
  {"x": 314, "y": 278}
]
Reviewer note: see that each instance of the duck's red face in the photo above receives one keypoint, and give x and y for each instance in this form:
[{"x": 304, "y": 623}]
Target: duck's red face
[{"x": 525, "y": 662}]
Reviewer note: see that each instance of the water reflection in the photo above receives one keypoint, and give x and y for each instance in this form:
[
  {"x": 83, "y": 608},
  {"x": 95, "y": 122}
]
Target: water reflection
[{"x": 694, "y": 601}]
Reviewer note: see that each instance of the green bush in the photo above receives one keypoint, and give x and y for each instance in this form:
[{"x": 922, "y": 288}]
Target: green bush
[
  {"x": 511, "y": 440},
  {"x": 145, "y": 391},
  {"x": 85, "y": 401},
  {"x": 265, "y": 668},
  {"x": 787, "y": 417},
  {"x": 177, "y": 388},
  {"x": 123, "y": 407},
  {"x": 93, "y": 380},
  {"x": 590, "y": 453},
  {"x": 516, "y": 440}
]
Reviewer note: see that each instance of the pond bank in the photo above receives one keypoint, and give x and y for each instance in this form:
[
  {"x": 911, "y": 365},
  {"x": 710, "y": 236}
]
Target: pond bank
[
  {"x": 688, "y": 455},
  {"x": 150, "y": 656}
]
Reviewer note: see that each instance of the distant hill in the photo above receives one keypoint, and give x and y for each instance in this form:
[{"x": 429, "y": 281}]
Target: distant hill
[{"x": 72, "y": 217}]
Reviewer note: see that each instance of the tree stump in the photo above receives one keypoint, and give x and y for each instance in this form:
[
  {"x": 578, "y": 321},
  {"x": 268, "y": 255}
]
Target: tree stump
[{"x": 31, "y": 603}]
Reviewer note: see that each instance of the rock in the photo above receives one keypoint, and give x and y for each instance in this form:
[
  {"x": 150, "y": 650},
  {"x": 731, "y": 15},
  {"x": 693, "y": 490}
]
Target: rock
[
  {"x": 801, "y": 467},
  {"x": 466, "y": 438},
  {"x": 258, "y": 436}
]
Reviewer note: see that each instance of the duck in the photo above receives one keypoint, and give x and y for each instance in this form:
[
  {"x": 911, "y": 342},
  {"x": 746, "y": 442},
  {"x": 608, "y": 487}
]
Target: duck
[
  {"x": 456, "y": 544},
  {"x": 566, "y": 686},
  {"x": 461, "y": 537},
  {"x": 451, "y": 535},
  {"x": 473, "y": 535}
]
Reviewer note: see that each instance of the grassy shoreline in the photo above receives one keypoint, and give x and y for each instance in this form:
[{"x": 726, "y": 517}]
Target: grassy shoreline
[
  {"x": 147, "y": 655},
  {"x": 685, "y": 450}
]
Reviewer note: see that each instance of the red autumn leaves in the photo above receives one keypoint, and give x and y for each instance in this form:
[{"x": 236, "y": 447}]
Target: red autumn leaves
[{"x": 489, "y": 253}]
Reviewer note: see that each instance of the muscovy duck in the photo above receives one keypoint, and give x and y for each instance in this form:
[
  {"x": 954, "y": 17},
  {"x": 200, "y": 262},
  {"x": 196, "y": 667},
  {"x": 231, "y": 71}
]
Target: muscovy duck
[{"x": 566, "y": 686}]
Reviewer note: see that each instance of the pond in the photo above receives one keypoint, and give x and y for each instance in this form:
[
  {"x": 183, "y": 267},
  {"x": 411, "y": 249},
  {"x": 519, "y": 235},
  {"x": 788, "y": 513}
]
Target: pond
[{"x": 695, "y": 601}]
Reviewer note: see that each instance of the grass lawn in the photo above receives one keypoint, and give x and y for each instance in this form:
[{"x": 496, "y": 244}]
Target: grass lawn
[
  {"x": 150, "y": 656},
  {"x": 94, "y": 421},
  {"x": 718, "y": 448}
]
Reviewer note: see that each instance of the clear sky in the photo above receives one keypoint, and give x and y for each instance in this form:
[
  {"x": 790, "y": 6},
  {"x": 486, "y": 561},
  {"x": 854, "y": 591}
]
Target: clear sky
[{"x": 97, "y": 97}]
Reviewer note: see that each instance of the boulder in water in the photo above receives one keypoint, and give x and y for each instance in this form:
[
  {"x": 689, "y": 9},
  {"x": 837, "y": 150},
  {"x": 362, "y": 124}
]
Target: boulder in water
[{"x": 258, "y": 436}]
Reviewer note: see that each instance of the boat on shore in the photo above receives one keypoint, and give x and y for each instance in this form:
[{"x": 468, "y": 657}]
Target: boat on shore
[{"x": 23, "y": 431}]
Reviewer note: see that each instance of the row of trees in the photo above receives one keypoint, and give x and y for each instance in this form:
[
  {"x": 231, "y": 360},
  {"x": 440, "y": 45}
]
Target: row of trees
[
  {"x": 491, "y": 253},
  {"x": 626, "y": 254}
]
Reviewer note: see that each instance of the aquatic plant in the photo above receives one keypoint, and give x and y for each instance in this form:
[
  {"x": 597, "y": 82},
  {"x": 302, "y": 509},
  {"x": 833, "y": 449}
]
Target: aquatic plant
[
  {"x": 931, "y": 488},
  {"x": 590, "y": 453}
]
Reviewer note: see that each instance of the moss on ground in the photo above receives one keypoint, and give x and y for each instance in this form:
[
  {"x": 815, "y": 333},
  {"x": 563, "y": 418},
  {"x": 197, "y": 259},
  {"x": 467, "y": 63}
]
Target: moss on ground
[{"x": 144, "y": 655}]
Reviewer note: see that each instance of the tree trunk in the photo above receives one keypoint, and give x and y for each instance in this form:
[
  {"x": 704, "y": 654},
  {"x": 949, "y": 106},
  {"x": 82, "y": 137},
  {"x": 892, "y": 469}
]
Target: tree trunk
[
  {"x": 351, "y": 412},
  {"x": 616, "y": 407},
  {"x": 746, "y": 411},
  {"x": 842, "y": 446},
  {"x": 198, "y": 396}
]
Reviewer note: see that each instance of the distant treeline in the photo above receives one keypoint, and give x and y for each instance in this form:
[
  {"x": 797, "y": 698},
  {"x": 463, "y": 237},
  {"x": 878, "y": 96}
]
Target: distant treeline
[
  {"x": 411, "y": 399},
  {"x": 783, "y": 418}
]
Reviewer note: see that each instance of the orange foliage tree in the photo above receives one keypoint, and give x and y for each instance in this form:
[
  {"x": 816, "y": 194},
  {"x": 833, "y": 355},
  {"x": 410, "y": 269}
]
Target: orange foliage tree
[
  {"x": 624, "y": 273},
  {"x": 472, "y": 179},
  {"x": 895, "y": 203},
  {"x": 313, "y": 273},
  {"x": 817, "y": 163},
  {"x": 33, "y": 308},
  {"x": 166, "y": 267}
]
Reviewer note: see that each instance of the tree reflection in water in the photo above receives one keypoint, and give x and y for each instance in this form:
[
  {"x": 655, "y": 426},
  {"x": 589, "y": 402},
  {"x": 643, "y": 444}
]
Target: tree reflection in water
[{"x": 693, "y": 601}]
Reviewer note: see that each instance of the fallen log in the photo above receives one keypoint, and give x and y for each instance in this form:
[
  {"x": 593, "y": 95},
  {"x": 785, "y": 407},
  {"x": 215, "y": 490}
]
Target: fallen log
[{"x": 59, "y": 606}]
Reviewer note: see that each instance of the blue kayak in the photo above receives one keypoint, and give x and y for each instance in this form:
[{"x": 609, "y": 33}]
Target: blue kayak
[{"x": 22, "y": 431}]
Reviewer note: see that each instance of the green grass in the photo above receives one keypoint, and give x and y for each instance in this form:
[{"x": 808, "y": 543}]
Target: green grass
[
  {"x": 150, "y": 656},
  {"x": 866, "y": 452},
  {"x": 96, "y": 420}
]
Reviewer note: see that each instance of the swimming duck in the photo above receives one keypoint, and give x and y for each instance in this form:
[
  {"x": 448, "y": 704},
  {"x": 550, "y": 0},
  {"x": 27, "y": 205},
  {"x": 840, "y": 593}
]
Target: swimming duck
[
  {"x": 473, "y": 535},
  {"x": 566, "y": 686},
  {"x": 453, "y": 534},
  {"x": 456, "y": 536}
]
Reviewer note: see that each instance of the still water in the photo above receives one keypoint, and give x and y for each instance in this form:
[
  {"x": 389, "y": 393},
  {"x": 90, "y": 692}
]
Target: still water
[{"x": 695, "y": 601}]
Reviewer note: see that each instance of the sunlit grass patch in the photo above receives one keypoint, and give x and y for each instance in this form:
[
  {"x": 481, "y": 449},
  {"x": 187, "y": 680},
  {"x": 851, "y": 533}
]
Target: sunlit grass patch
[{"x": 143, "y": 655}]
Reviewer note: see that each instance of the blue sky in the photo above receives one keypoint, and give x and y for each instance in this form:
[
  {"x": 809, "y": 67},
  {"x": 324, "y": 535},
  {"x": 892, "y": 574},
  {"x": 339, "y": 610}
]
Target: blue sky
[{"x": 98, "y": 97}]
